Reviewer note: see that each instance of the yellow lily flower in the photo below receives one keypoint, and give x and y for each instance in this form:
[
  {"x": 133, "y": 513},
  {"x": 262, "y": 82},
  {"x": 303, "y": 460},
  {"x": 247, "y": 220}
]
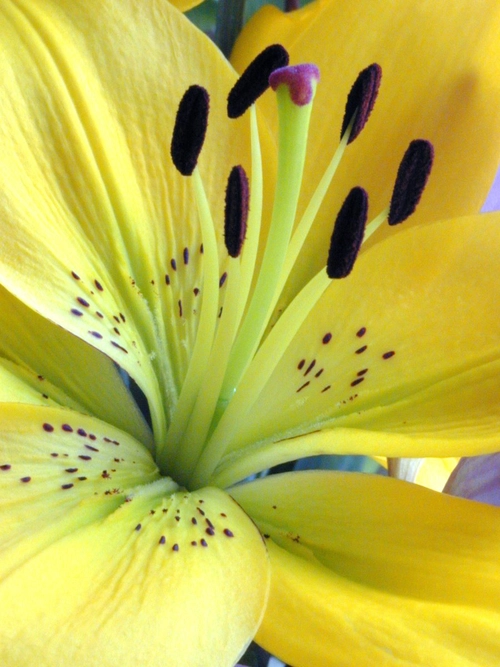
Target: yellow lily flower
[{"x": 123, "y": 544}]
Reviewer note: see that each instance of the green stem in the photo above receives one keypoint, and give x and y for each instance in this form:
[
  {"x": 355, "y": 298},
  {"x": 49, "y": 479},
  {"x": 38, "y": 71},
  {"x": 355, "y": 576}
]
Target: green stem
[{"x": 229, "y": 23}]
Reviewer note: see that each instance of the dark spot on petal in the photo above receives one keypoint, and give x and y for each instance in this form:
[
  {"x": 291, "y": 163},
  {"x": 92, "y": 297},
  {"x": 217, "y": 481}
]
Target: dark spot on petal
[
  {"x": 48, "y": 427},
  {"x": 357, "y": 381},
  {"x": 82, "y": 301},
  {"x": 228, "y": 532},
  {"x": 175, "y": 547},
  {"x": 98, "y": 285},
  {"x": 203, "y": 543},
  {"x": 5, "y": 466},
  {"x": 327, "y": 338},
  {"x": 25, "y": 480},
  {"x": 310, "y": 367},
  {"x": 301, "y": 363},
  {"x": 360, "y": 350},
  {"x": 162, "y": 540},
  {"x": 388, "y": 355},
  {"x": 76, "y": 312},
  {"x": 67, "y": 428},
  {"x": 67, "y": 486},
  {"x": 119, "y": 347},
  {"x": 361, "y": 332}
]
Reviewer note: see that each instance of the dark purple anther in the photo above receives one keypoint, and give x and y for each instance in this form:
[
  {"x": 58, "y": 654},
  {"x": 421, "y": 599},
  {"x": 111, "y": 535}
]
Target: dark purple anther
[
  {"x": 413, "y": 174},
  {"x": 347, "y": 234},
  {"x": 236, "y": 210},
  {"x": 255, "y": 80},
  {"x": 189, "y": 130},
  {"x": 299, "y": 79},
  {"x": 361, "y": 100}
]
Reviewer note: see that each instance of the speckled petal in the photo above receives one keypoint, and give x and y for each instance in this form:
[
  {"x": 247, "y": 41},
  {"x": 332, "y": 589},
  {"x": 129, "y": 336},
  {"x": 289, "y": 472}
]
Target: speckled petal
[
  {"x": 62, "y": 368},
  {"x": 99, "y": 231},
  {"x": 405, "y": 351},
  {"x": 374, "y": 571},
  {"x": 104, "y": 562},
  {"x": 441, "y": 74}
]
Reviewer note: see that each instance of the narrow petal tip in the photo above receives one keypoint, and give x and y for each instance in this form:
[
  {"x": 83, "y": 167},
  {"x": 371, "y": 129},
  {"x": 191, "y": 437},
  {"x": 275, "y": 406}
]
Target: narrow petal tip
[
  {"x": 413, "y": 174},
  {"x": 347, "y": 234},
  {"x": 255, "y": 79},
  {"x": 361, "y": 100},
  {"x": 236, "y": 211},
  {"x": 190, "y": 129},
  {"x": 300, "y": 79}
]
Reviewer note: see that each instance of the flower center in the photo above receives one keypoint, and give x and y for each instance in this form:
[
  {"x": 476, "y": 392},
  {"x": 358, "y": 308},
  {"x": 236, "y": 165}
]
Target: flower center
[{"x": 238, "y": 346}]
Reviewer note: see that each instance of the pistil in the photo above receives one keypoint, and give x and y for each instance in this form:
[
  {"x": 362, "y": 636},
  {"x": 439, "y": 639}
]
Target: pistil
[{"x": 294, "y": 125}]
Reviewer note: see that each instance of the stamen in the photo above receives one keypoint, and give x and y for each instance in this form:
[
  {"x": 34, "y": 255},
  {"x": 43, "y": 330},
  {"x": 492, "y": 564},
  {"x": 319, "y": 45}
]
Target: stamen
[
  {"x": 236, "y": 211},
  {"x": 299, "y": 79},
  {"x": 242, "y": 271},
  {"x": 361, "y": 99},
  {"x": 189, "y": 130},
  {"x": 347, "y": 234},
  {"x": 411, "y": 180},
  {"x": 255, "y": 80}
]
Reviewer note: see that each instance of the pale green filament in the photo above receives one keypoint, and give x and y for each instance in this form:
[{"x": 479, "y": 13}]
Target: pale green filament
[
  {"x": 372, "y": 226},
  {"x": 191, "y": 443},
  {"x": 206, "y": 328},
  {"x": 257, "y": 374},
  {"x": 302, "y": 230},
  {"x": 294, "y": 125}
]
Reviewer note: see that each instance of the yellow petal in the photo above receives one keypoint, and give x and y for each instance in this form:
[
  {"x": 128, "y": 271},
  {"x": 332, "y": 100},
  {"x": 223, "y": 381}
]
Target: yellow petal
[
  {"x": 59, "y": 470},
  {"x": 62, "y": 368},
  {"x": 373, "y": 571},
  {"x": 441, "y": 74},
  {"x": 88, "y": 105},
  {"x": 408, "y": 344},
  {"x": 96, "y": 557}
]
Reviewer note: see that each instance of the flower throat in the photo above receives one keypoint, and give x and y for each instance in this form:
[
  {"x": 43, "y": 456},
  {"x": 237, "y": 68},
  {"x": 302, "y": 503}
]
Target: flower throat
[{"x": 236, "y": 349}]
